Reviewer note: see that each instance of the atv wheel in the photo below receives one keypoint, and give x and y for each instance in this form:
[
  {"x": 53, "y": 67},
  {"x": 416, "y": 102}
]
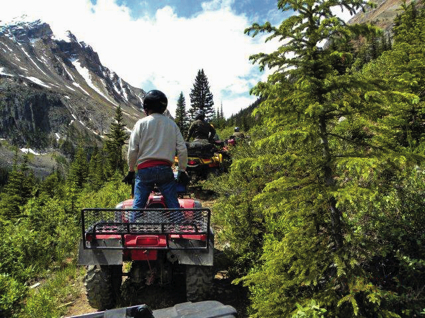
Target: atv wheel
[
  {"x": 198, "y": 282},
  {"x": 100, "y": 282}
]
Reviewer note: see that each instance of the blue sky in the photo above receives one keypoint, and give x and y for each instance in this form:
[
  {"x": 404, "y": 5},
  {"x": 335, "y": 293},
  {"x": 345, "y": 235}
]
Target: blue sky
[
  {"x": 162, "y": 44},
  {"x": 255, "y": 10}
]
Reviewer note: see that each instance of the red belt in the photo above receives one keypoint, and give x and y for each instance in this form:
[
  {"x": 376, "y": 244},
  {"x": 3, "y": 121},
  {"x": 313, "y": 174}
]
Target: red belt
[{"x": 153, "y": 163}]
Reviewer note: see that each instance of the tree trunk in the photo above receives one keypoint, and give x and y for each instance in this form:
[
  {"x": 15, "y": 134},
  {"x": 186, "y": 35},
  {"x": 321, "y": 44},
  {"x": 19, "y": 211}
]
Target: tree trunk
[{"x": 330, "y": 182}]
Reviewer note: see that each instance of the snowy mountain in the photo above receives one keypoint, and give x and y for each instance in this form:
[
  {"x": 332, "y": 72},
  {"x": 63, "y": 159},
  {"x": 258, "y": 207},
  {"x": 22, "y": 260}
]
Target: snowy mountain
[{"x": 55, "y": 91}]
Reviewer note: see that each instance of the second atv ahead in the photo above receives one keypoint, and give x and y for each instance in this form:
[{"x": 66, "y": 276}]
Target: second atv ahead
[
  {"x": 158, "y": 242},
  {"x": 205, "y": 159}
]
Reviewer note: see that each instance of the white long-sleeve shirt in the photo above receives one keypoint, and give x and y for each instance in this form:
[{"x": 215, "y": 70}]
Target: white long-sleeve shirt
[{"x": 156, "y": 137}]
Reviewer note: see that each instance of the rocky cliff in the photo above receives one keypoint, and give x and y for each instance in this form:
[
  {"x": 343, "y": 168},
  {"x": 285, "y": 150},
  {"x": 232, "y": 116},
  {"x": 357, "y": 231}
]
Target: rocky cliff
[
  {"x": 56, "y": 90},
  {"x": 382, "y": 15}
]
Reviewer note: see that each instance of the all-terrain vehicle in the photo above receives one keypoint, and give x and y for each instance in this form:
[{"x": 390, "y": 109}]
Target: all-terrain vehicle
[
  {"x": 156, "y": 240},
  {"x": 203, "y": 309},
  {"x": 205, "y": 159}
]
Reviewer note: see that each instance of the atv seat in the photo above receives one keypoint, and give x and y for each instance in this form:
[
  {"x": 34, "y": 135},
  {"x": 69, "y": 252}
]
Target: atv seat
[{"x": 200, "y": 149}]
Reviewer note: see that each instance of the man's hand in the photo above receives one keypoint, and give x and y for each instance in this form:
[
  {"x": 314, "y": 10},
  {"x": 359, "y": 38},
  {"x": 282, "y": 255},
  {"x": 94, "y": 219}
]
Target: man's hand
[
  {"x": 183, "y": 178},
  {"x": 129, "y": 177}
]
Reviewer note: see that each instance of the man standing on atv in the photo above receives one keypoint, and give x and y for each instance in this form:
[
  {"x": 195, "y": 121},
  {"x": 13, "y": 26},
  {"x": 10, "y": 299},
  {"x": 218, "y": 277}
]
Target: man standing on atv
[
  {"x": 153, "y": 144},
  {"x": 238, "y": 134},
  {"x": 200, "y": 130}
]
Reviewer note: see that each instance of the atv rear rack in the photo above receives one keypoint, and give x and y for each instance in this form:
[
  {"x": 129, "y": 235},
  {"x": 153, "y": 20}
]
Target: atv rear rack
[{"x": 190, "y": 227}]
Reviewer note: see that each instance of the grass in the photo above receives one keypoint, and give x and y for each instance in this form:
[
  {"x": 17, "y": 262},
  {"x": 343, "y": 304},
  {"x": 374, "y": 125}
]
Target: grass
[{"x": 55, "y": 293}]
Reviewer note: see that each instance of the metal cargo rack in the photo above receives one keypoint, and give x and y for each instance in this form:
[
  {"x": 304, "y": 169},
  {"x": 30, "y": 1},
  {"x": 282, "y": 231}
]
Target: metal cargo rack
[{"x": 103, "y": 224}]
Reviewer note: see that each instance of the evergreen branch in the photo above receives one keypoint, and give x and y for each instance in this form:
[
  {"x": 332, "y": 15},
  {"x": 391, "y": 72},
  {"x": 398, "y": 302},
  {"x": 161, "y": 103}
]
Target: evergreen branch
[{"x": 360, "y": 143}]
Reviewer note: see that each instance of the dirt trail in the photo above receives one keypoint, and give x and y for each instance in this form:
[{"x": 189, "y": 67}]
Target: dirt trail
[{"x": 157, "y": 297}]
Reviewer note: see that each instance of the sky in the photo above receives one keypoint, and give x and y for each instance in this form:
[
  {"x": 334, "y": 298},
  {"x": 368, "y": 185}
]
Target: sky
[{"x": 161, "y": 44}]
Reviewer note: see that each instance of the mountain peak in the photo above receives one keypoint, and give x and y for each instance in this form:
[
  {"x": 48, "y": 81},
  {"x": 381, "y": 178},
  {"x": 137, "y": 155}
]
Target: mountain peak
[
  {"x": 23, "y": 30},
  {"x": 63, "y": 82}
]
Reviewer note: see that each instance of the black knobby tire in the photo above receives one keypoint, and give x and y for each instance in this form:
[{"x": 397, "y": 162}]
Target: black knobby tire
[
  {"x": 99, "y": 282},
  {"x": 199, "y": 281}
]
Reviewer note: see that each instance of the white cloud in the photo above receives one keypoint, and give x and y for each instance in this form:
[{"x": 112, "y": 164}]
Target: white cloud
[
  {"x": 342, "y": 13},
  {"x": 165, "y": 50}
]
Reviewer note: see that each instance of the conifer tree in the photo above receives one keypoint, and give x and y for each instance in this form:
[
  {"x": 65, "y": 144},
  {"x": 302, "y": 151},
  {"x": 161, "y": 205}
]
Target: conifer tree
[
  {"x": 375, "y": 48},
  {"x": 53, "y": 184},
  {"x": 403, "y": 67},
  {"x": 182, "y": 119},
  {"x": 114, "y": 145},
  {"x": 201, "y": 97},
  {"x": 322, "y": 123},
  {"x": 96, "y": 173},
  {"x": 18, "y": 189},
  {"x": 78, "y": 171}
]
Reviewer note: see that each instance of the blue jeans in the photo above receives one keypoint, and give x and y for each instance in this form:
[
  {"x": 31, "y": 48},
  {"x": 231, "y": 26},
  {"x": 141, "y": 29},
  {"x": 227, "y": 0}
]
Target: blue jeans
[{"x": 146, "y": 179}]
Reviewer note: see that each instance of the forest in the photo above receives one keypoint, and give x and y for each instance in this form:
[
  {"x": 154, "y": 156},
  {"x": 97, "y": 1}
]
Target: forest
[{"x": 322, "y": 207}]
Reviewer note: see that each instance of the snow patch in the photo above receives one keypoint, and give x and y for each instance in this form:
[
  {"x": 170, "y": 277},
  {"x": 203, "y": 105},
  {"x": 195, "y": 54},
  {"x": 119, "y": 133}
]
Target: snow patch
[
  {"x": 57, "y": 136},
  {"x": 85, "y": 73},
  {"x": 71, "y": 122},
  {"x": 124, "y": 90},
  {"x": 7, "y": 47},
  {"x": 2, "y": 72},
  {"x": 37, "y": 81},
  {"x": 29, "y": 150},
  {"x": 74, "y": 116},
  {"x": 23, "y": 68},
  {"x": 67, "y": 97},
  {"x": 70, "y": 88},
  {"x": 79, "y": 86},
  {"x": 66, "y": 70},
  {"x": 89, "y": 129},
  {"x": 141, "y": 100},
  {"x": 44, "y": 60},
  {"x": 117, "y": 90},
  {"x": 29, "y": 57}
]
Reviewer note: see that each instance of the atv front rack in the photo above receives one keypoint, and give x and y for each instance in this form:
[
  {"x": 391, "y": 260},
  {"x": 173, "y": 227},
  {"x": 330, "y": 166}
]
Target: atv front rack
[{"x": 168, "y": 225}]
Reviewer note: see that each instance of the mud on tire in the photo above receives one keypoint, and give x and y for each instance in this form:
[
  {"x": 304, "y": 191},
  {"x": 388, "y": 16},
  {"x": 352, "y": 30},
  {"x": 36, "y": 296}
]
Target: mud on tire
[
  {"x": 199, "y": 281},
  {"x": 100, "y": 287}
]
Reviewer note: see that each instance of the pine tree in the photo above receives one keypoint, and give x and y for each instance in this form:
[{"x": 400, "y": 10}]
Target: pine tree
[
  {"x": 114, "y": 145},
  {"x": 182, "y": 119},
  {"x": 403, "y": 67},
  {"x": 53, "y": 185},
  {"x": 323, "y": 124},
  {"x": 18, "y": 189},
  {"x": 375, "y": 48},
  {"x": 384, "y": 44},
  {"x": 201, "y": 97},
  {"x": 78, "y": 171},
  {"x": 96, "y": 173}
]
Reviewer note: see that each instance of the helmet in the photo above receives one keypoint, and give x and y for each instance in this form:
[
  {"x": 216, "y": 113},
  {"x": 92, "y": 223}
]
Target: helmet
[
  {"x": 200, "y": 114},
  {"x": 236, "y": 129},
  {"x": 156, "y": 101}
]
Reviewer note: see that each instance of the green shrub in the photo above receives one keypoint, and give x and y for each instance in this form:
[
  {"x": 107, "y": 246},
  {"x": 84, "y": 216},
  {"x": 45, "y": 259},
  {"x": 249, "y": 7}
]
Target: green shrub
[{"x": 12, "y": 293}]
